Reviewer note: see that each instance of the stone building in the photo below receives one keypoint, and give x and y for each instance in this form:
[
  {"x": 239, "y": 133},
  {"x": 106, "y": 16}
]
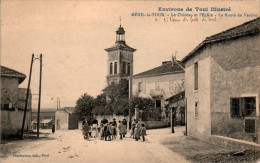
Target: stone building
[
  {"x": 222, "y": 84},
  {"x": 66, "y": 119},
  {"x": 160, "y": 83},
  {"x": 13, "y": 102},
  {"x": 120, "y": 59}
]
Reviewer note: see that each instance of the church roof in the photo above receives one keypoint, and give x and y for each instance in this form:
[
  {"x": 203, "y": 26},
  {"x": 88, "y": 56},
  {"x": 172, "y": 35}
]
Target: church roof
[
  {"x": 165, "y": 68},
  {"x": 7, "y": 72},
  {"x": 120, "y": 45},
  {"x": 249, "y": 28}
]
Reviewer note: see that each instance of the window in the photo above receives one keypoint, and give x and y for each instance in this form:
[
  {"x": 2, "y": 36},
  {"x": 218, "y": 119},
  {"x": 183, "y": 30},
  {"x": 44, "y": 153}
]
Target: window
[
  {"x": 111, "y": 68},
  {"x": 115, "y": 68},
  {"x": 243, "y": 106},
  {"x": 141, "y": 87},
  {"x": 124, "y": 68},
  {"x": 196, "y": 76},
  {"x": 128, "y": 68},
  {"x": 249, "y": 106},
  {"x": 5, "y": 106},
  {"x": 196, "y": 109},
  {"x": 250, "y": 125},
  {"x": 157, "y": 85},
  {"x": 235, "y": 109}
]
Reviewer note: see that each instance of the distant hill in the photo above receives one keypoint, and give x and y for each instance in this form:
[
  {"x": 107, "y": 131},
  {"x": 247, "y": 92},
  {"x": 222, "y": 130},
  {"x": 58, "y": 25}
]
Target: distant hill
[{"x": 44, "y": 109}]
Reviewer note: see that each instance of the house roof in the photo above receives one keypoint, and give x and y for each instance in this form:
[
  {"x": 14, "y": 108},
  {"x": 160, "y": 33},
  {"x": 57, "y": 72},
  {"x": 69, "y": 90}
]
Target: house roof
[
  {"x": 245, "y": 29},
  {"x": 166, "y": 68},
  {"x": 69, "y": 110},
  {"x": 7, "y": 72}
]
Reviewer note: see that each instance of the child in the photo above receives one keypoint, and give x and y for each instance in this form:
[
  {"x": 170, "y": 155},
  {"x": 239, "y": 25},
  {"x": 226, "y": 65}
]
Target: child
[
  {"x": 106, "y": 131},
  {"x": 143, "y": 131},
  {"x": 137, "y": 132},
  {"x": 110, "y": 131},
  {"x": 113, "y": 131},
  {"x": 132, "y": 131},
  {"x": 122, "y": 129}
]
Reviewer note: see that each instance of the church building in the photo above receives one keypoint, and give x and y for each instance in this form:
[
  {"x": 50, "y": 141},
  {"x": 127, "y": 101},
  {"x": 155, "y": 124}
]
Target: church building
[{"x": 120, "y": 59}]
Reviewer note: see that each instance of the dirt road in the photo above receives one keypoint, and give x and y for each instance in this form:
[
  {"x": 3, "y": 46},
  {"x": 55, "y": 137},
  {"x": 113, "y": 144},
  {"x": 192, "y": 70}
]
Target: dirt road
[{"x": 69, "y": 146}]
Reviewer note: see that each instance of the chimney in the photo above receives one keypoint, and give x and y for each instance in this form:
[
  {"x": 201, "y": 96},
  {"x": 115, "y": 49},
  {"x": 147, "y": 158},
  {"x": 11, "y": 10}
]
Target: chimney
[{"x": 165, "y": 62}]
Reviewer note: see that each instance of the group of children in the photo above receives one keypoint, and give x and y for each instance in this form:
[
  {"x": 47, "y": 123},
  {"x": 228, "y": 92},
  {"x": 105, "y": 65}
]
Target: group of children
[
  {"x": 108, "y": 130},
  {"x": 137, "y": 131}
]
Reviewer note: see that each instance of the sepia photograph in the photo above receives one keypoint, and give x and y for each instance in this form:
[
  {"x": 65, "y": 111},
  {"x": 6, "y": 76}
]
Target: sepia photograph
[{"x": 127, "y": 81}]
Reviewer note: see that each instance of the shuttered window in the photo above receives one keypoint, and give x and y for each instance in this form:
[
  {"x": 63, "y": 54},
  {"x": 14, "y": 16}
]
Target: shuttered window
[
  {"x": 243, "y": 106},
  {"x": 250, "y": 125},
  {"x": 196, "y": 76}
]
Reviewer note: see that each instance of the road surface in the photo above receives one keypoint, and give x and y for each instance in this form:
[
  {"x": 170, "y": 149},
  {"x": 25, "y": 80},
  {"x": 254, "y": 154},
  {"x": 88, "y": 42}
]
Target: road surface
[{"x": 69, "y": 146}]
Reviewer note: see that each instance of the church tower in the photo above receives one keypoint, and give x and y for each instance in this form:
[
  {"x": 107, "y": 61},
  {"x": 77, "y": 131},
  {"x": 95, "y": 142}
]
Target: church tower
[{"x": 120, "y": 59}]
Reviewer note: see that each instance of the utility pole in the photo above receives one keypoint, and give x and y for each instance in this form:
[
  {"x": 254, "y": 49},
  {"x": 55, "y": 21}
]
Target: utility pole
[
  {"x": 39, "y": 101},
  {"x": 27, "y": 96},
  {"x": 130, "y": 100}
]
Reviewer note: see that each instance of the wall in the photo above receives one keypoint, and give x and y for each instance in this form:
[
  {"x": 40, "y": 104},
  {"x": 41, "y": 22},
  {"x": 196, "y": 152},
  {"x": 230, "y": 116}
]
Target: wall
[
  {"x": 9, "y": 90},
  {"x": 235, "y": 72},
  {"x": 149, "y": 84},
  {"x": 198, "y": 127},
  {"x": 61, "y": 120},
  {"x": 73, "y": 121},
  {"x": 11, "y": 121},
  {"x": 155, "y": 124}
]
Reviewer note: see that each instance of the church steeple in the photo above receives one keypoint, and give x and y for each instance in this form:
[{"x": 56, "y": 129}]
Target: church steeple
[
  {"x": 120, "y": 34},
  {"x": 120, "y": 58}
]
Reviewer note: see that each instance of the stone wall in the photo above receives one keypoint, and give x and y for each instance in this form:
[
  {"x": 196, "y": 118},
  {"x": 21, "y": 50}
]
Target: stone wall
[
  {"x": 155, "y": 124},
  {"x": 11, "y": 121},
  {"x": 61, "y": 120},
  {"x": 235, "y": 72},
  {"x": 73, "y": 121},
  {"x": 200, "y": 126},
  {"x": 9, "y": 90}
]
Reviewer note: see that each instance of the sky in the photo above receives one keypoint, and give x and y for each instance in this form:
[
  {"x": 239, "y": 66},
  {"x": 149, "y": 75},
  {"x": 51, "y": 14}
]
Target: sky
[{"x": 72, "y": 36}]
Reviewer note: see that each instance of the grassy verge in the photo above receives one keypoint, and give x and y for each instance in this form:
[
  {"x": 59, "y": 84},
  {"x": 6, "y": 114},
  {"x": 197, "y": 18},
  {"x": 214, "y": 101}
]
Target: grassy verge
[{"x": 199, "y": 151}]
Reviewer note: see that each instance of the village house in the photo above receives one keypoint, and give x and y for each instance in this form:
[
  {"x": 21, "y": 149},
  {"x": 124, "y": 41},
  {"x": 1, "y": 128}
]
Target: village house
[
  {"x": 160, "y": 83},
  {"x": 13, "y": 102},
  {"x": 222, "y": 84},
  {"x": 66, "y": 119}
]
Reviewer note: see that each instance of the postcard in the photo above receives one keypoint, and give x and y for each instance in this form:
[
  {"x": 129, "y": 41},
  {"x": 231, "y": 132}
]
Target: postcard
[{"x": 130, "y": 81}]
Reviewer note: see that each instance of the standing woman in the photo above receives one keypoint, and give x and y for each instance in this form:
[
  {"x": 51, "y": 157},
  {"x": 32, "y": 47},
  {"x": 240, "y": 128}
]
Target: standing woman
[{"x": 85, "y": 130}]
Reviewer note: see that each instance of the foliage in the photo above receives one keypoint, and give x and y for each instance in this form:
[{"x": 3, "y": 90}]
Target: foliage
[
  {"x": 84, "y": 106},
  {"x": 147, "y": 110},
  {"x": 118, "y": 97}
]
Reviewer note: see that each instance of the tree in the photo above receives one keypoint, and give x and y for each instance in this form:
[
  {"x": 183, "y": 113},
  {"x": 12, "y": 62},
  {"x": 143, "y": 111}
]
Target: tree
[
  {"x": 146, "y": 106},
  {"x": 84, "y": 106},
  {"x": 101, "y": 106},
  {"x": 117, "y": 95}
]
